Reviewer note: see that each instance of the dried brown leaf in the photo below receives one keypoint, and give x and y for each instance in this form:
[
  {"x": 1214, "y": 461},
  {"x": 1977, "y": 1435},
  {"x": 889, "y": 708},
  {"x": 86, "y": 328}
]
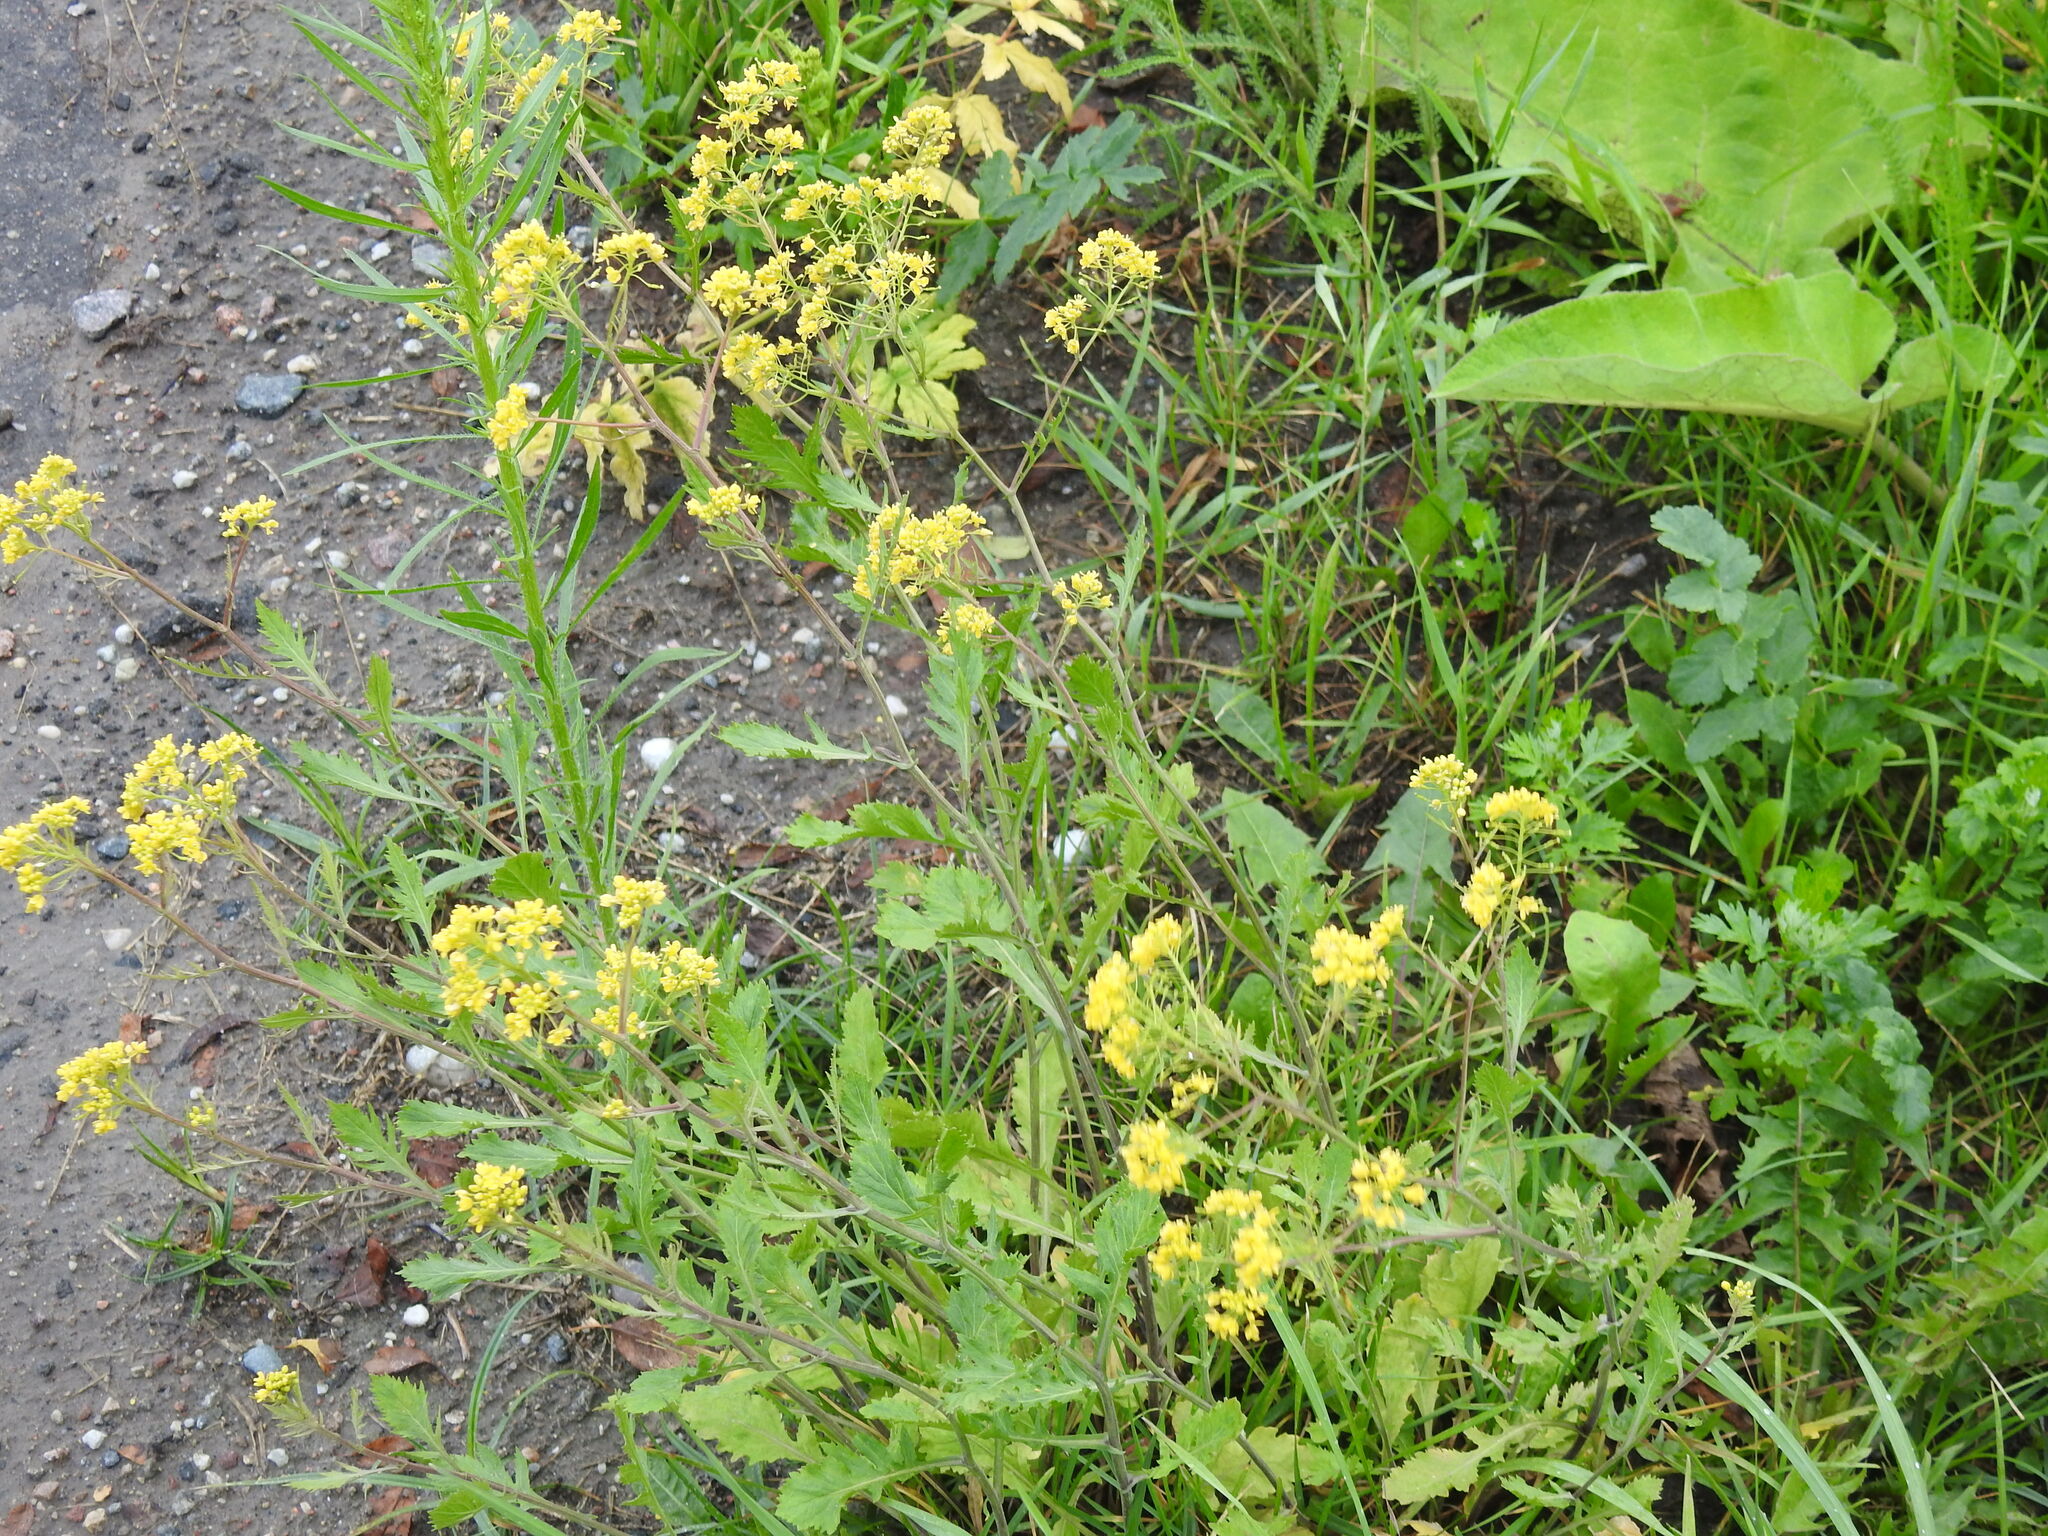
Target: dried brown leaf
[
  {"x": 393, "y": 1358},
  {"x": 363, "y": 1286},
  {"x": 646, "y": 1345},
  {"x": 435, "y": 1158}
]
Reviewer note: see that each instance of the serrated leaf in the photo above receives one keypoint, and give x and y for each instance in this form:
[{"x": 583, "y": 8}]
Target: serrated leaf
[
  {"x": 757, "y": 738},
  {"x": 1722, "y": 587},
  {"x": 1432, "y": 1474},
  {"x": 814, "y": 1497}
]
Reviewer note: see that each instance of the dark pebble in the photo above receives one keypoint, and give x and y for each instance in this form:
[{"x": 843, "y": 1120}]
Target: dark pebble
[
  {"x": 140, "y": 143},
  {"x": 46, "y": 1369},
  {"x": 228, "y": 911},
  {"x": 225, "y": 223},
  {"x": 241, "y": 160},
  {"x": 121, "y": 101},
  {"x": 557, "y": 1348},
  {"x": 211, "y": 172},
  {"x": 163, "y": 176},
  {"x": 87, "y": 183},
  {"x": 110, "y": 1458},
  {"x": 187, "y": 1472},
  {"x": 127, "y": 963},
  {"x": 6, "y": 418},
  {"x": 64, "y": 1286},
  {"x": 268, "y": 395},
  {"x": 113, "y": 847}
]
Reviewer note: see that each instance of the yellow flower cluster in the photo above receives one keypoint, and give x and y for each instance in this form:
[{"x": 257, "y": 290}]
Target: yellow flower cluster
[
  {"x": 94, "y": 1080},
  {"x": 1485, "y": 891},
  {"x": 1109, "y": 1014},
  {"x": 1741, "y": 1297},
  {"x": 28, "y": 848},
  {"x": 1238, "y": 1311},
  {"x": 1521, "y": 806},
  {"x": 1354, "y": 960},
  {"x": 676, "y": 968},
  {"x": 1113, "y": 254},
  {"x": 1175, "y": 1247},
  {"x": 167, "y": 801},
  {"x": 274, "y": 1387},
  {"x": 1159, "y": 939},
  {"x": 1084, "y": 589},
  {"x": 524, "y": 265},
  {"x": 517, "y": 937},
  {"x": 1378, "y": 1183},
  {"x": 1445, "y": 782},
  {"x": 492, "y": 1196},
  {"x": 721, "y": 188},
  {"x": 591, "y": 29},
  {"x": 723, "y": 503},
  {"x": 1151, "y": 1159},
  {"x": 908, "y": 553},
  {"x": 1188, "y": 1090},
  {"x": 633, "y": 899},
  {"x": 510, "y": 421},
  {"x": 1114, "y": 271},
  {"x": 622, "y": 255},
  {"x": 964, "y": 618},
  {"x": 45, "y": 501},
  {"x": 922, "y": 135},
  {"x": 246, "y": 517}
]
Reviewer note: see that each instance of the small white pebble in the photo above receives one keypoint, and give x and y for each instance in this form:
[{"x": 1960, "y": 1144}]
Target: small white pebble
[
  {"x": 412, "y": 346},
  {"x": 380, "y": 250},
  {"x": 124, "y": 634},
  {"x": 94, "y": 1439},
  {"x": 152, "y": 272},
  {"x": 763, "y": 661},
  {"x": 304, "y": 363},
  {"x": 126, "y": 668},
  {"x": 183, "y": 479},
  {"x": 107, "y": 654},
  {"x": 1071, "y": 847},
  {"x": 199, "y": 1459},
  {"x": 312, "y": 545},
  {"x": 280, "y": 695},
  {"x": 898, "y": 710},
  {"x": 278, "y": 1456},
  {"x": 656, "y": 751},
  {"x": 337, "y": 559},
  {"x": 727, "y": 797},
  {"x": 50, "y": 732},
  {"x": 118, "y": 939},
  {"x": 415, "y": 1316}
]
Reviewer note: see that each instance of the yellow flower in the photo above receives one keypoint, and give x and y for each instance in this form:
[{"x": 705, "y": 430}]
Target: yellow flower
[
  {"x": 1109, "y": 994},
  {"x": 922, "y": 135},
  {"x": 1084, "y": 589},
  {"x": 1236, "y": 1313},
  {"x": 1244, "y": 1204},
  {"x": 1160, "y": 938},
  {"x": 27, "y": 847},
  {"x": 468, "y": 927},
  {"x": 723, "y": 502},
  {"x": 245, "y": 517},
  {"x": 492, "y": 1197},
  {"x": 963, "y": 618},
  {"x": 633, "y": 898},
  {"x": 1445, "y": 781},
  {"x": 202, "y": 1116},
  {"x": 279, "y": 1386},
  {"x": 1484, "y": 892},
  {"x": 729, "y": 290},
  {"x": 95, "y": 1077},
  {"x": 614, "y": 1108},
  {"x": 45, "y": 501},
  {"x": 757, "y": 364},
  {"x": 592, "y": 29},
  {"x": 465, "y": 991},
  {"x": 1256, "y": 1252},
  {"x": 525, "y": 261},
  {"x": 1151, "y": 1159},
  {"x": 1356, "y": 960},
  {"x": 1114, "y": 254},
  {"x": 525, "y": 1005},
  {"x": 162, "y": 835},
  {"x": 684, "y": 969},
  {"x": 1064, "y": 322},
  {"x": 1378, "y": 1182},
  {"x": 623, "y": 254},
  {"x": 1521, "y": 805},
  {"x": 1120, "y": 1047},
  {"x": 1174, "y": 1248},
  {"x": 1186, "y": 1090},
  {"x": 1741, "y": 1297},
  {"x": 510, "y": 421},
  {"x": 910, "y": 552},
  {"x": 517, "y": 92}
]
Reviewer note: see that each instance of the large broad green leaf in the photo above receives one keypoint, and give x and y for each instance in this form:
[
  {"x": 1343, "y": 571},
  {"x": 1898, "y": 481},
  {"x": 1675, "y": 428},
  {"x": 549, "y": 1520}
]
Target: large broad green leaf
[
  {"x": 1701, "y": 126},
  {"x": 1798, "y": 349}
]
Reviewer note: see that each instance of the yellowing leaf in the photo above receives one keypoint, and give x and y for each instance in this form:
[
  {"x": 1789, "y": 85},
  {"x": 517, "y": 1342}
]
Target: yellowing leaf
[
  {"x": 980, "y": 124},
  {"x": 949, "y": 191},
  {"x": 1038, "y": 74},
  {"x": 1073, "y": 10},
  {"x": 613, "y": 438},
  {"x": 680, "y": 404},
  {"x": 1032, "y": 22}
]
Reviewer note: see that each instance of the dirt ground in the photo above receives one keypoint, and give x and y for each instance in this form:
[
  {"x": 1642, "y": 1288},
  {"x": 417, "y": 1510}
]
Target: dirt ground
[{"x": 136, "y": 134}]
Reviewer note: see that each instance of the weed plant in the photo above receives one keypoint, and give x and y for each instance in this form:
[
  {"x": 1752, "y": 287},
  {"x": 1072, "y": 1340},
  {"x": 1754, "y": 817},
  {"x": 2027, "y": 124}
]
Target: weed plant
[{"x": 1641, "y": 1136}]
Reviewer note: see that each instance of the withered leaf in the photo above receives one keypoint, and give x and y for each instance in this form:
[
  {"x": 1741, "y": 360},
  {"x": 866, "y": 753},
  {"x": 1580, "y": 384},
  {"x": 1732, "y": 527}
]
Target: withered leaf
[
  {"x": 393, "y": 1358},
  {"x": 646, "y": 1345},
  {"x": 435, "y": 1158},
  {"x": 326, "y": 1353},
  {"x": 363, "y": 1286}
]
